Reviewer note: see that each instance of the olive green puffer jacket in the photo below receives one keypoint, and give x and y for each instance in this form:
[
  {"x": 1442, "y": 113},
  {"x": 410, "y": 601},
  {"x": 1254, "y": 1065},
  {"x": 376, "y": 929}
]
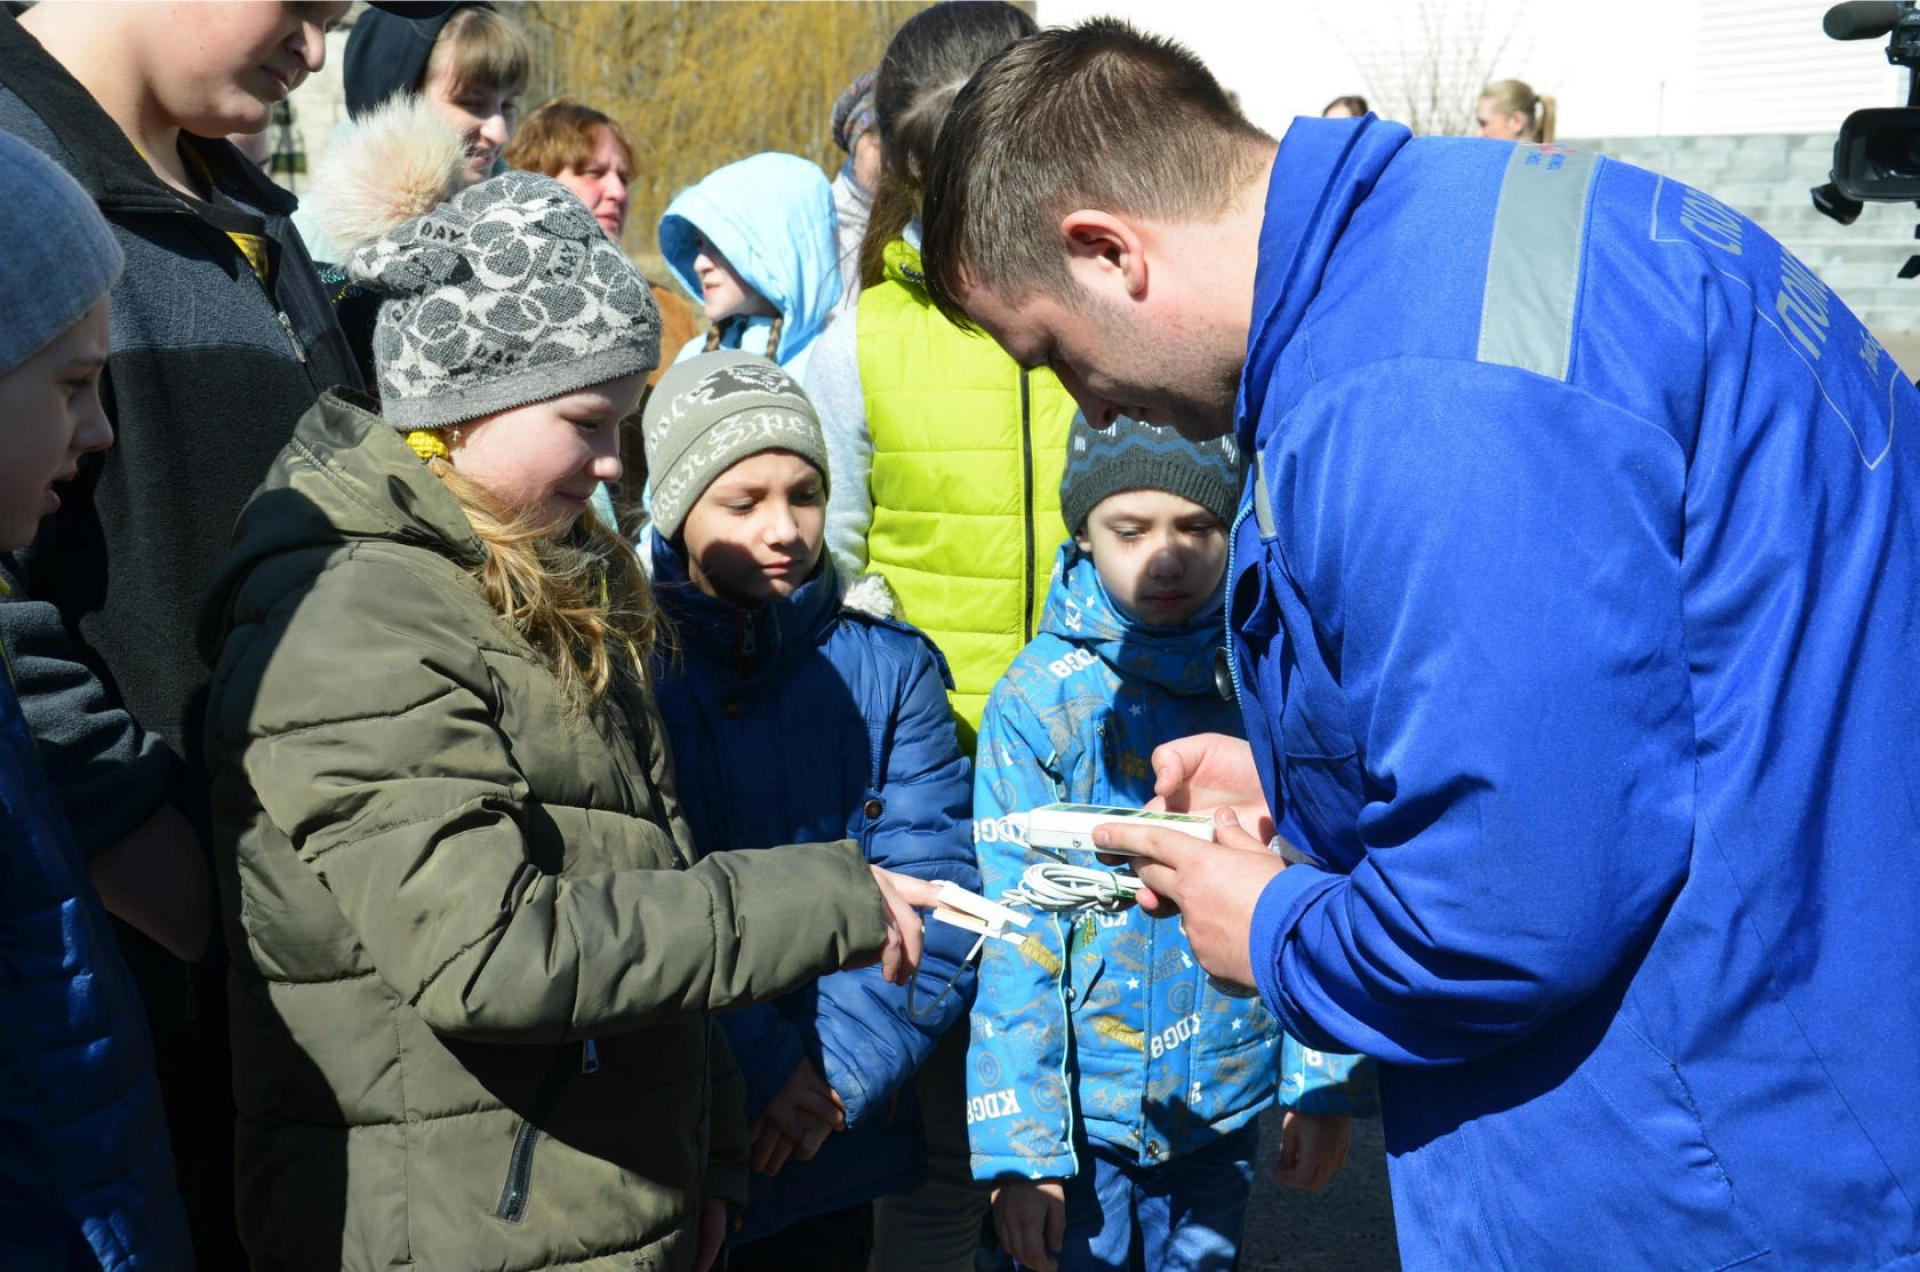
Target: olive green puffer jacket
[{"x": 473, "y": 955}]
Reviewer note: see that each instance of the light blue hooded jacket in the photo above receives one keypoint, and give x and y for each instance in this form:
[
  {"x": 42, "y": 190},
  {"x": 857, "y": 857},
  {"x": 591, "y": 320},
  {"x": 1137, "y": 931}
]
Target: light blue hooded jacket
[
  {"x": 1159, "y": 1063},
  {"x": 771, "y": 216}
]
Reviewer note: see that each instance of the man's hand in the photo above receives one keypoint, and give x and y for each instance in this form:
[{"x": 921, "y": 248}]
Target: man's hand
[
  {"x": 797, "y": 1121},
  {"x": 1031, "y": 1217},
  {"x": 1207, "y": 771},
  {"x": 1216, "y": 885},
  {"x": 1312, "y": 1147},
  {"x": 900, "y": 957}
]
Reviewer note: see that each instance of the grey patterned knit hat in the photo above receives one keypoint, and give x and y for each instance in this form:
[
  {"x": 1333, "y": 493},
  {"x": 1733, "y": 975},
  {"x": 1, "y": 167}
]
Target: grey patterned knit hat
[
  {"x": 712, "y": 411},
  {"x": 1135, "y": 456},
  {"x": 61, "y": 258},
  {"x": 503, "y": 294}
]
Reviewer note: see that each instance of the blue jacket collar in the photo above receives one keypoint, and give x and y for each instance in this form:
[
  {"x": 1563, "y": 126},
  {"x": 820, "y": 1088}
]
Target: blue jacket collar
[
  {"x": 1179, "y": 659},
  {"x": 751, "y": 643},
  {"x": 1324, "y": 169}
]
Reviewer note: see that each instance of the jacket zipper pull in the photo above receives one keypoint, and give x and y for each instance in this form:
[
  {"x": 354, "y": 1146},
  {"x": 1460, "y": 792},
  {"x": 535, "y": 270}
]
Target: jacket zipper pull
[
  {"x": 748, "y": 648},
  {"x": 286, "y": 325},
  {"x": 589, "y": 1057}
]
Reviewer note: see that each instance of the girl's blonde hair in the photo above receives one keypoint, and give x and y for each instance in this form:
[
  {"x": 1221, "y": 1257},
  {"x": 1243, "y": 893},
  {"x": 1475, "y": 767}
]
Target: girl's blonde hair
[
  {"x": 1512, "y": 96},
  {"x": 581, "y": 600}
]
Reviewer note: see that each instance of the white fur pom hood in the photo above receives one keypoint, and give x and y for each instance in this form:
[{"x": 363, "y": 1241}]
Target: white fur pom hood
[{"x": 399, "y": 162}]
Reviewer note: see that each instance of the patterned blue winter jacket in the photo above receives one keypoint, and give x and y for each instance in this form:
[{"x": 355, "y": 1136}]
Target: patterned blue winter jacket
[
  {"x": 1159, "y": 1062},
  {"x": 86, "y": 1174},
  {"x": 802, "y": 722}
]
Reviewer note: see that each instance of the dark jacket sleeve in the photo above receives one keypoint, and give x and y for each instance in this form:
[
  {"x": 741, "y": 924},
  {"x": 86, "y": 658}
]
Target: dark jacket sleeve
[
  {"x": 767, "y": 1044},
  {"x": 871, "y": 1041},
  {"x": 108, "y": 773}
]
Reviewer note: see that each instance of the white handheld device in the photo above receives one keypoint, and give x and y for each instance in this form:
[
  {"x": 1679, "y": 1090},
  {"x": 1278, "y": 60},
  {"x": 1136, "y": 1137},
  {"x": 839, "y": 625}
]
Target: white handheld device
[{"x": 1065, "y": 827}]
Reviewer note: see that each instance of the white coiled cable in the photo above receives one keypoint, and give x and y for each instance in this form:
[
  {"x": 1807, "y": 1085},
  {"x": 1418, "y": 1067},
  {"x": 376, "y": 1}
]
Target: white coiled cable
[{"x": 1058, "y": 888}]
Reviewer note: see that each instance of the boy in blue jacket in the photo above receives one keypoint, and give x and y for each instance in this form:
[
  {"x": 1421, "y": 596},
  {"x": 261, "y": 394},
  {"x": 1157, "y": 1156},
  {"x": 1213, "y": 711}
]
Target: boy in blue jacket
[
  {"x": 86, "y": 1173},
  {"x": 1110, "y": 1083},
  {"x": 795, "y": 720}
]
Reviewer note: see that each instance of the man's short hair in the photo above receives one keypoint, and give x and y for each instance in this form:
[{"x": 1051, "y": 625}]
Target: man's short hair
[
  {"x": 561, "y": 135},
  {"x": 1091, "y": 116}
]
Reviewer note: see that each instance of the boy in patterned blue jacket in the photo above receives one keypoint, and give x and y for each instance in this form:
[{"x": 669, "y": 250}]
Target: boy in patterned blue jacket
[{"x": 1110, "y": 1084}]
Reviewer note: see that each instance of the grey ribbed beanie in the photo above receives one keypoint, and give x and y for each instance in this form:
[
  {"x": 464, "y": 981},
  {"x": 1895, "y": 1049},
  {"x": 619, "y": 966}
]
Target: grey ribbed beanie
[
  {"x": 712, "y": 411},
  {"x": 60, "y": 257},
  {"x": 1135, "y": 456}
]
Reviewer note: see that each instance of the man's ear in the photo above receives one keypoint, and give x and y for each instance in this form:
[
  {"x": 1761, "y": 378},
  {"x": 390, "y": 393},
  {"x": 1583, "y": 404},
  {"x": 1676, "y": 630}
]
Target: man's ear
[{"x": 1106, "y": 245}]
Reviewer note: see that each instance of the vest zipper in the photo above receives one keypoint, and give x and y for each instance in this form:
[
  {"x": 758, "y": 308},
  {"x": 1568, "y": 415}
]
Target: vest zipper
[
  {"x": 286, "y": 325},
  {"x": 589, "y": 1057},
  {"x": 1026, "y": 464}
]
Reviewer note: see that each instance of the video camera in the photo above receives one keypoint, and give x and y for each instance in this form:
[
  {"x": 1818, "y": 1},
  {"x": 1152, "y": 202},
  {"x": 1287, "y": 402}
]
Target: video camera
[{"x": 1877, "y": 155}]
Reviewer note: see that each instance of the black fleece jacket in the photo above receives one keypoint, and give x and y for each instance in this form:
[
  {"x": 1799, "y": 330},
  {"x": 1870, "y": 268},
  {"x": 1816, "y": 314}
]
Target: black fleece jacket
[{"x": 210, "y": 368}]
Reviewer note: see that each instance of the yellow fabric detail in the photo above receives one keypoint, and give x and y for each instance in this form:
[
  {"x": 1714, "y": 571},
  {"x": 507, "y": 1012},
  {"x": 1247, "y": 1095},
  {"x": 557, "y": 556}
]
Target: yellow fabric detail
[
  {"x": 965, "y": 480},
  {"x": 252, "y": 246},
  {"x": 427, "y": 443}
]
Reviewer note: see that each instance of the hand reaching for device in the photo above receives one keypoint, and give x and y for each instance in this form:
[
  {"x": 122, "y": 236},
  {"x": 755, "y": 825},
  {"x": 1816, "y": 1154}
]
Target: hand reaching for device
[{"x": 903, "y": 896}]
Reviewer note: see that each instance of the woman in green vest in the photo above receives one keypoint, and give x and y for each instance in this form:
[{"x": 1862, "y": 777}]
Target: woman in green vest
[{"x": 953, "y": 452}]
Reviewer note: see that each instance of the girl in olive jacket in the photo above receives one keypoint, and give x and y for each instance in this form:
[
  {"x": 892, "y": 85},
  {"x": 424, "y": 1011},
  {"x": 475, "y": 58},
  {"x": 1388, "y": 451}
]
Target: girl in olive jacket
[{"x": 474, "y": 946}]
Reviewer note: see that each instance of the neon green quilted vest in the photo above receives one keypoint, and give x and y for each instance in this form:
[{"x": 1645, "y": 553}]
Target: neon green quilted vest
[{"x": 967, "y": 455}]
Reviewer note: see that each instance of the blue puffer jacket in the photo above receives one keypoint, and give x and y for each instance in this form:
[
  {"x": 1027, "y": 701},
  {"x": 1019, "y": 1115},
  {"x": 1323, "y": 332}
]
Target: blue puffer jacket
[
  {"x": 771, "y": 215},
  {"x": 800, "y": 722},
  {"x": 86, "y": 1174},
  {"x": 1160, "y": 1062}
]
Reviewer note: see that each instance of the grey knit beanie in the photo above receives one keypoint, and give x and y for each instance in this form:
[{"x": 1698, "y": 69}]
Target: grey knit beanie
[
  {"x": 60, "y": 256},
  {"x": 495, "y": 296},
  {"x": 712, "y": 411},
  {"x": 1135, "y": 456}
]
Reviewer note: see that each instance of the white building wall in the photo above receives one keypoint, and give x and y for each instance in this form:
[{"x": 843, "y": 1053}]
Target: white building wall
[{"x": 1623, "y": 68}]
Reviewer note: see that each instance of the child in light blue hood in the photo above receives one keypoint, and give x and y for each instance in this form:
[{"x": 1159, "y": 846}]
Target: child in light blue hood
[{"x": 754, "y": 242}]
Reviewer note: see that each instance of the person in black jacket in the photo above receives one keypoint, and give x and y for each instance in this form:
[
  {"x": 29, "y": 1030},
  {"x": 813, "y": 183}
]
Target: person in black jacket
[{"x": 220, "y": 339}]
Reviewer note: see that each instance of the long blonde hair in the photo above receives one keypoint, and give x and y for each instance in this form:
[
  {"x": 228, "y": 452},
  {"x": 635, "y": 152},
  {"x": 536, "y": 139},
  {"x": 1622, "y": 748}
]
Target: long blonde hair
[{"x": 580, "y": 600}]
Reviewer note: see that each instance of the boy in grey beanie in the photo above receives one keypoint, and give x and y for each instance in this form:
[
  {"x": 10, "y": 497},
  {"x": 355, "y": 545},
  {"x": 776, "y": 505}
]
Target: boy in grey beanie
[
  {"x": 81, "y": 1085},
  {"x": 709, "y": 413},
  {"x": 1130, "y": 455}
]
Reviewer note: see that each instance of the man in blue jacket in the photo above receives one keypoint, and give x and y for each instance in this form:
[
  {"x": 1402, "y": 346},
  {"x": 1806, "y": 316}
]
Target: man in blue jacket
[{"x": 1572, "y": 609}]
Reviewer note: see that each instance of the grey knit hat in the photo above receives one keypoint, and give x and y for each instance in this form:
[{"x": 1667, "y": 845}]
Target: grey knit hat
[
  {"x": 1135, "y": 456},
  {"x": 506, "y": 294},
  {"x": 712, "y": 411},
  {"x": 60, "y": 257}
]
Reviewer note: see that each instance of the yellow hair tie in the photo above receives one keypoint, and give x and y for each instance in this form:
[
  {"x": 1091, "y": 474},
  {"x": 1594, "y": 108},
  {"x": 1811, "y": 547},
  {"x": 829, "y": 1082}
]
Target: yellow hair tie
[{"x": 427, "y": 443}]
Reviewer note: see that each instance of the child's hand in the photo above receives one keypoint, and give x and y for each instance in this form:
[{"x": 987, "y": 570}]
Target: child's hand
[
  {"x": 798, "y": 1120},
  {"x": 904, "y": 896},
  {"x": 713, "y": 1233},
  {"x": 1031, "y": 1217},
  {"x": 1312, "y": 1147}
]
